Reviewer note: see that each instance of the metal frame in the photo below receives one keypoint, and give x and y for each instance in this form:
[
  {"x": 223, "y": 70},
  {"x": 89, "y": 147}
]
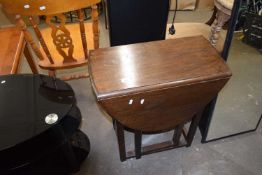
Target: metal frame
[{"x": 209, "y": 110}]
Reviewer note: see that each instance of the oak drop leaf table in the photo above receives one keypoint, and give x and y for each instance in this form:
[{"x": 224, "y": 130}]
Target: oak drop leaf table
[{"x": 156, "y": 87}]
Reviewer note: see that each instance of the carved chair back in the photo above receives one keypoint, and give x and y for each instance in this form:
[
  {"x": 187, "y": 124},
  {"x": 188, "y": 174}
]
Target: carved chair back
[{"x": 60, "y": 35}]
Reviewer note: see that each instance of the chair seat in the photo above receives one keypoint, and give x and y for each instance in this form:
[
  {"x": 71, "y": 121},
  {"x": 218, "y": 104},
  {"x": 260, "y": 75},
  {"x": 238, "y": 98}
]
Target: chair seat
[
  {"x": 78, "y": 53},
  {"x": 46, "y": 65},
  {"x": 195, "y": 29},
  {"x": 226, "y": 3}
]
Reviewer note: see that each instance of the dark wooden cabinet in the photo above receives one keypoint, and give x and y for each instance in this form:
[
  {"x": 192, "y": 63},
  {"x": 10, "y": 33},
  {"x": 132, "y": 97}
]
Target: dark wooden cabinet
[{"x": 134, "y": 21}]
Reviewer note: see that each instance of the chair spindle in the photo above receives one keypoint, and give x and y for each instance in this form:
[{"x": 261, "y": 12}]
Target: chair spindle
[{"x": 28, "y": 37}]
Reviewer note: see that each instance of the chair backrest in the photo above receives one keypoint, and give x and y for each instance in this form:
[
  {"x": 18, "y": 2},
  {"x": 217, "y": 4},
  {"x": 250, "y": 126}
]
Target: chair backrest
[{"x": 59, "y": 33}]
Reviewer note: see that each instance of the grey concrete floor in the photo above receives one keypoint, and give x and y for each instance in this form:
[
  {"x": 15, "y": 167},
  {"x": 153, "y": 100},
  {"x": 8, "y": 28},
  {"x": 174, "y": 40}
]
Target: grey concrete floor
[{"x": 240, "y": 155}]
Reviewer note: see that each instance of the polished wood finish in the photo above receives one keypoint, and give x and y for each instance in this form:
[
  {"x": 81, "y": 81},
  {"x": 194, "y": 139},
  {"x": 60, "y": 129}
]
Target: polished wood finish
[
  {"x": 161, "y": 106},
  {"x": 41, "y": 39},
  {"x": 82, "y": 31},
  {"x": 61, "y": 38},
  {"x": 142, "y": 67},
  {"x": 47, "y": 7},
  {"x": 29, "y": 57},
  {"x": 63, "y": 46},
  {"x": 28, "y": 37},
  {"x": 13, "y": 45},
  {"x": 95, "y": 26},
  {"x": 66, "y": 78},
  {"x": 11, "y": 50},
  {"x": 157, "y": 86}
]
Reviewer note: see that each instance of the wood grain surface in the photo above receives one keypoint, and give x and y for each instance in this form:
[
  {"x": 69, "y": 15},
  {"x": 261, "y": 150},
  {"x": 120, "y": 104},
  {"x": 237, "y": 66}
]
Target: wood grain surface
[
  {"x": 156, "y": 86},
  {"x": 63, "y": 46},
  {"x": 146, "y": 66},
  {"x": 47, "y": 7},
  {"x": 12, "y": 45}
]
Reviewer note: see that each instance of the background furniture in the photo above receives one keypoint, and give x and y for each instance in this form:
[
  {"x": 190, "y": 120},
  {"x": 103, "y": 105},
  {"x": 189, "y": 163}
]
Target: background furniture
[
  {"x": 39, "y": 123},
  {"x": 60, "y": 48},
  {"x": 195, "y": 29},
  {"x": 7, "y": 18},
  {"x": 223, "y": 12},
  {"x": 193, "y": 4},
  {"x": 157, "y": 87},
  {"x": 136, "y": 20},
  {"x": 251, "y": 15},
  {"x": 188, "y": 29},
  {"x": 205, "y": 4},
  {"x": 13, "y": 46},
  {"x": 183, "y": 4}
]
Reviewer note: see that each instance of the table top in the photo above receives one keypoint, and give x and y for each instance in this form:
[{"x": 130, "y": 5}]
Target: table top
[
  {"x": 26, "y": 104},
  {"x": 147, "y": 66},
  {"x": 12, "y": 43}
]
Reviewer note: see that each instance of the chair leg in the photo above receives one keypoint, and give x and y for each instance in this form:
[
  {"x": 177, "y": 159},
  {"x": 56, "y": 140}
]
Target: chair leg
[
  {"x": 121, "y": 140},
  {"x": 221, "y": 19},
  {"x": 29, "y": 58},
  {"x": 138, "y": 144},
  {"x": 95, "y": 26},
  {"x": 52, "y": 73}
]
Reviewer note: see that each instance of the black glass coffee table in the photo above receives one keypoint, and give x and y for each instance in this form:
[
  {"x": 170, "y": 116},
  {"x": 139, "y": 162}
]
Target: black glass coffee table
[{"x": 39, "y": 123}]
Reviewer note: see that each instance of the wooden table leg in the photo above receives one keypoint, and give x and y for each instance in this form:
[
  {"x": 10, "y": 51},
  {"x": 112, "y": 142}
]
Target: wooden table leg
[
  {"x": 177, "y": 134},
  {"x": 121, "y": 140},
  {"x": 29, "y": 58},
  {"x": 138, "y": 144},
  {"x": 193, "y": 128}
]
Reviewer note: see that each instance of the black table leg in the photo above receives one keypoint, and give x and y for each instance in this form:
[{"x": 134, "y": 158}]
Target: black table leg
[
  {"x": 121, "y": 140},
  {"x": 177, "y": 134},
  {"x": 138, "y": 144},
  {"x": 193, "y": 128},
  {"x": 70, "y": 157}
]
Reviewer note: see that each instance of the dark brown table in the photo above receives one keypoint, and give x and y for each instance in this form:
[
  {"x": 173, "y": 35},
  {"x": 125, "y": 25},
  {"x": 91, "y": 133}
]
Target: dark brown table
[{"x": 156, "y": 87}]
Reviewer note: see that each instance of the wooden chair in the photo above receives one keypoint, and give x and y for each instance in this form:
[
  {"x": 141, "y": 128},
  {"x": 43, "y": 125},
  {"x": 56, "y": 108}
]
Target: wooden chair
[
  {"x": 223, "y": 13},
  {"x": 13, "y": 46},
  {"x": 63, "y": 46},
  {"x": 189, "y": 29}
]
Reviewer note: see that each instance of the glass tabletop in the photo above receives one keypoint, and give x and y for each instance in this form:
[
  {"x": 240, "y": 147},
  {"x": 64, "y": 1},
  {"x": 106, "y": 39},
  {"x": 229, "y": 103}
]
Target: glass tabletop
[{"x": 30, "y": 105}]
